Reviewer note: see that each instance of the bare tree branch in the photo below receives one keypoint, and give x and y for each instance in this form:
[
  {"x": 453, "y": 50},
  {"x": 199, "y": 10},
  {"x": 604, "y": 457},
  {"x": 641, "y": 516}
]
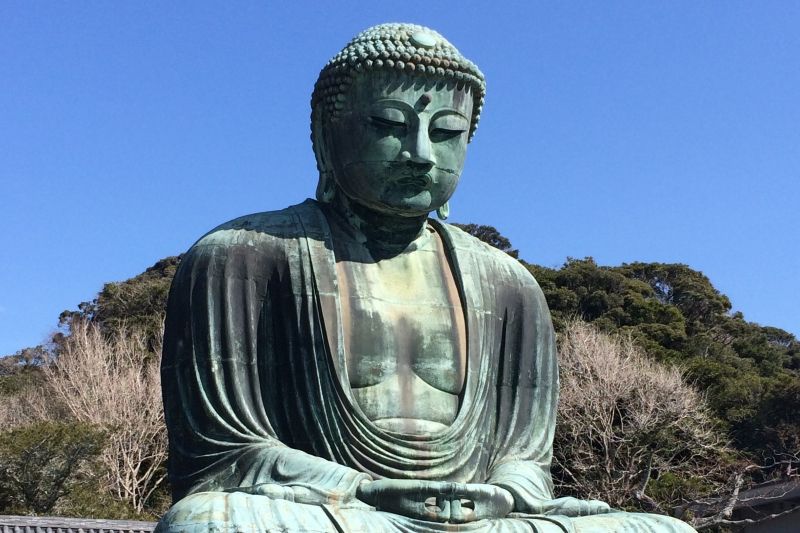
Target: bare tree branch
[
  {"x": 115, "y": 383},
  {"x": 627, "y": 423}
]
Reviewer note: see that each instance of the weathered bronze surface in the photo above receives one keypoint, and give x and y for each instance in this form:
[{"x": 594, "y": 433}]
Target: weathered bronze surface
[{"x": 347, "y": 364}]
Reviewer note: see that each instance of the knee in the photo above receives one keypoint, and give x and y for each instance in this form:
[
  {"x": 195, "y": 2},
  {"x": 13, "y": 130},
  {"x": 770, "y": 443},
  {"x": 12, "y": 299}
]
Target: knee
[
  {"x": 229, "y": 512},
  {"x": 203, "y": 507},
  {"x": 669, "y": 523},
  {"x": 631, "y": 523}
]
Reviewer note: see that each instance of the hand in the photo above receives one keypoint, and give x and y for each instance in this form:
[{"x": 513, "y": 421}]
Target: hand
[
  {"x": 572, "y": 507},
  {"x": 290, "y": 493},
  {"x": 437, "y": 501},
  {"x": 300, "y": 493}
]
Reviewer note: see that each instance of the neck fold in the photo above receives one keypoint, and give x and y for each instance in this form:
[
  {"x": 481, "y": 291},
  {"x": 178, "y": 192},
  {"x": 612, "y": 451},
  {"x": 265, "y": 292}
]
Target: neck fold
[{"x": 385, "y": 235}]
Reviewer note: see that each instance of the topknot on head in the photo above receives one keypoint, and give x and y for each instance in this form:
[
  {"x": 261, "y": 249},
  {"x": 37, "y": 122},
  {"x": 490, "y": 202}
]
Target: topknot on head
[{"x": 397, "y": 47}]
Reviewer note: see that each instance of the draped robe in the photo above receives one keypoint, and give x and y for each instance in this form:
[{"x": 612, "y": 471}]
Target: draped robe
[{"x": 264, "y": 430}]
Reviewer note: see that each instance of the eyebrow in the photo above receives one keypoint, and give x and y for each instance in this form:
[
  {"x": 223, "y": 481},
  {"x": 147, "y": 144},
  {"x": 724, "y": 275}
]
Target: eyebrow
[
  {"x": 400, "y": 104},
  {"x": 394, "y": 103},
  {"x": 449, "y": 110}
]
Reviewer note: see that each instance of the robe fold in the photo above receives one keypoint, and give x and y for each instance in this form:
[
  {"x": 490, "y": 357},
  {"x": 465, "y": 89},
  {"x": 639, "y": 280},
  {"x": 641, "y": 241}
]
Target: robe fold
[{"x": 258, "y": 402}]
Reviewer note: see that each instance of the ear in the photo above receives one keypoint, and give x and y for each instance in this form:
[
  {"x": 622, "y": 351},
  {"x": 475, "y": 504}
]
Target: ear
[
  {"x": 326, "y": 186},
  {"x": 444, "y": 211}
]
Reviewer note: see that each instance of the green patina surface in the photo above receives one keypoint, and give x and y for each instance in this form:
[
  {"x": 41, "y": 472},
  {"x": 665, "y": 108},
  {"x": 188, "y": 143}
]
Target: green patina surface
[{"x": 348, "y": 364}]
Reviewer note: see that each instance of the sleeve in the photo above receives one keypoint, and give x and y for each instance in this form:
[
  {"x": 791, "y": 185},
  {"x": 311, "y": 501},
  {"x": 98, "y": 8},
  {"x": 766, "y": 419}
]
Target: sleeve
[
  {"x": 527, "y": 397},
  {"x": 228, "y": 336}
]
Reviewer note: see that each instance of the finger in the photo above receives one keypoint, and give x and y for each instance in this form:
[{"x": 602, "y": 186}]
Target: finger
[
  {"x": 432, "y": 508},
  {"x": 443, "y": 503},
  {"x": 275, "y": 491},
  {"x": 599, "y": 507},
  {"x": 448, "y": 489},
  {"x": 461, "y": 511},
  {"x": 456, "y": 516},
  {"x": 482, "y": 509}
]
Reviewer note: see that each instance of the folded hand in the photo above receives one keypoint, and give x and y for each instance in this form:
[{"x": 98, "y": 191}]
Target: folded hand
[{"x": 437, "y": 501}]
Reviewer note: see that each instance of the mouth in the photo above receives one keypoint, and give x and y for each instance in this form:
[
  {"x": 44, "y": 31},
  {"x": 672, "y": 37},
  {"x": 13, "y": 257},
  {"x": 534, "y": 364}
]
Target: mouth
[{"x": 419, "y": 181}]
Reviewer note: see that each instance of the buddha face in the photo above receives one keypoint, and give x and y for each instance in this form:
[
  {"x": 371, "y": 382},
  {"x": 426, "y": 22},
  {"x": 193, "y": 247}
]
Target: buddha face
[{"x": 400, "y": 142}]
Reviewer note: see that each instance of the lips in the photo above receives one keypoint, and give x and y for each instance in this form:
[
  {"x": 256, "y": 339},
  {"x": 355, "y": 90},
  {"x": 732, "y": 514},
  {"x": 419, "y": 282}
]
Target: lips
[{"x": 421, "y": 181}]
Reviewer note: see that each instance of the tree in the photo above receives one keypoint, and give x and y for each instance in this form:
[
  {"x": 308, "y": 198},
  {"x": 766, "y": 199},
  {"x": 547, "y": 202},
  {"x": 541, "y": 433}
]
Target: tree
[
  {"x": 136, "y": 303},
  {"x": 689, "y": 290},
  {"x": 676, "y": 316},
  {"x": 42, "y": 462},
  {"x": 491, "y": 236},
  {"x": 114, "y": 383},
  {"x": 631, "y": 431}
]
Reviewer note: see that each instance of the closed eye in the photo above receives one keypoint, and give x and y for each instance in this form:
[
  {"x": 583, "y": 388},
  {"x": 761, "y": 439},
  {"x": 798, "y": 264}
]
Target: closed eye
[
  {"x": 443, "y": 134},
  {"x": 448, "y": 126},
  {"x": 386, "y": 122}
]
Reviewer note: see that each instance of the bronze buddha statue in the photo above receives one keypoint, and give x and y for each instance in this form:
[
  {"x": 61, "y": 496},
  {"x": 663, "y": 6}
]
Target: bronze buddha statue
[{"x": 350, "y": 365}]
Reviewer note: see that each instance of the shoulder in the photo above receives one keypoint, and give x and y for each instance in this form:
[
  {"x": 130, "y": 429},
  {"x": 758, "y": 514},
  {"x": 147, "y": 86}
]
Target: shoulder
[
  {"x": 258, "y": 229},
  {"x": 253, "y": 245},
  {"x": 497, "y": 263}
]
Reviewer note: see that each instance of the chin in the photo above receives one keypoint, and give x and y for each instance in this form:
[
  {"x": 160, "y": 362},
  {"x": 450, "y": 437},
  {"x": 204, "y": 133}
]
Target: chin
[{"x": 413, "y": 206}]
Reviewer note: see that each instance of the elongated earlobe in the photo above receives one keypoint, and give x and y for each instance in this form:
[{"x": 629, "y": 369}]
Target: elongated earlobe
[
  {"x": 326, "y": 187},
  {"x": 444, "y": 211}
]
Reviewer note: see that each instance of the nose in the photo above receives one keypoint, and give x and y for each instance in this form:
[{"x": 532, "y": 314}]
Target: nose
[{"x": 420, "y": 153}]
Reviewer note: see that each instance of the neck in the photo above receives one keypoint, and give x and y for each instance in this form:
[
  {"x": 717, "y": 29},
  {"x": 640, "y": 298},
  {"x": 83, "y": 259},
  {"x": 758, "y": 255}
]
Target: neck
[{"x": 384, "y": 234}]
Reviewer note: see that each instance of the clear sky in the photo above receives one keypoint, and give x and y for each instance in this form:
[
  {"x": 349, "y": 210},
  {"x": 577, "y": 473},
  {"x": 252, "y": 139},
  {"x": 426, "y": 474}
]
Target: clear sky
[{"x": 625, "y": 131}]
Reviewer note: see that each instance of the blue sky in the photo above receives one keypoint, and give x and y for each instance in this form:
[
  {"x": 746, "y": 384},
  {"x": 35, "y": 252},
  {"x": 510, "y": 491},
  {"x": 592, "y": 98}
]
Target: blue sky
[{"x": 626, "y": 131}]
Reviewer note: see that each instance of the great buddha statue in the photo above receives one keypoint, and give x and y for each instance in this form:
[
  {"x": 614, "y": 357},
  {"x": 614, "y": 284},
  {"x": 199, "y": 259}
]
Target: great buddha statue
[{"x": 350, "y": 365}]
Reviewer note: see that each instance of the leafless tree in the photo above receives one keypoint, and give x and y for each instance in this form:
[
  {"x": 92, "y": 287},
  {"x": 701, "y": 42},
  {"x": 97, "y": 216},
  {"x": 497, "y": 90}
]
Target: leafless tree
[
  {"x": 744, "y": 502},
  {"x": 628, "y": 424},
  {"x": 13, "y": 412},
  {"x": 115, "y": 384}
]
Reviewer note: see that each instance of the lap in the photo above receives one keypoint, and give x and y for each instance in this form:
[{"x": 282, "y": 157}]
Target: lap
[{"x": 238, "y": 512}]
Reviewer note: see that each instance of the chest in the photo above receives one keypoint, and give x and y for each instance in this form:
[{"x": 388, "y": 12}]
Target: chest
[{"x": 403, "y": 318}]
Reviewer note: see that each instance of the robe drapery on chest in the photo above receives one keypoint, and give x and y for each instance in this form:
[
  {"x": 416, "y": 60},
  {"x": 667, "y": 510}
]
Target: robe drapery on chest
[{"x": 255, "y": 382}]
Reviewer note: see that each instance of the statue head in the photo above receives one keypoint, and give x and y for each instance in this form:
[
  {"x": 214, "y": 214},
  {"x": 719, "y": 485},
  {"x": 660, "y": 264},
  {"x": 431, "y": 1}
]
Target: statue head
[{"x": 391, "y": 117}]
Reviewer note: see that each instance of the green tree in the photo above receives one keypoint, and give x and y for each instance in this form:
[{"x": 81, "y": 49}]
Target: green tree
[
  {"x": 42, "y": 462},
  {"x": 688, "y": 290},
  {"x": 491, "y": 236},
  {"x": 137, "y": 303}
]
